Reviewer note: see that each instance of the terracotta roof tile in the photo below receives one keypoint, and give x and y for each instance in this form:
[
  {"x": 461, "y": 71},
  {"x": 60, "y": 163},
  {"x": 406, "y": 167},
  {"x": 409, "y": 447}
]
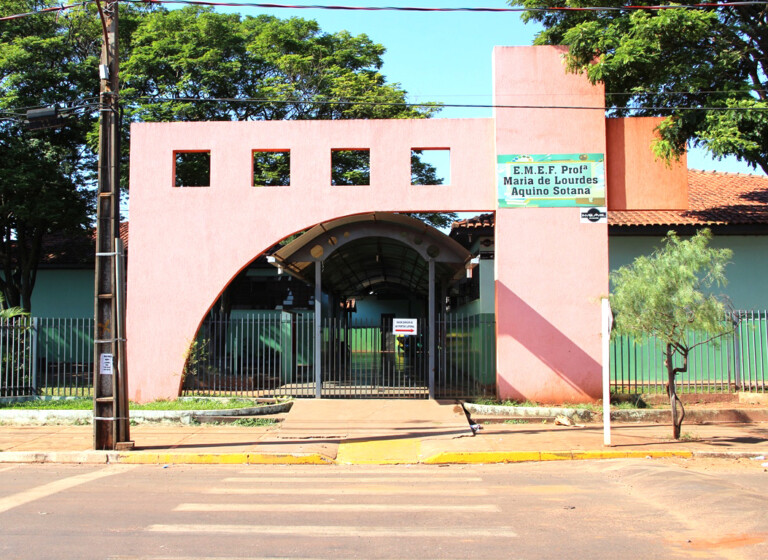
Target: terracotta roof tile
[
  {"x": 715, "y": 198},
  {"x": 476, "y": 222}
]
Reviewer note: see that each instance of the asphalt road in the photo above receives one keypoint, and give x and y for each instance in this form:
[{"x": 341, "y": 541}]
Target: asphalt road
[{"x": 593, "y": 509}]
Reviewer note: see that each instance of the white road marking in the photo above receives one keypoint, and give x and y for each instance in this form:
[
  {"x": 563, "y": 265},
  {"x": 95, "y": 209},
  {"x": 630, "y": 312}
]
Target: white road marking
[
  {"x": 3, "y": 469},
  {"x": 338, "y": 508},
  {"x": 336, "y": 532},
  {"x": 352, "y": 480},
  {"x": 21, "y": 498},
  {"x": 346, "y": 491},
  {"x": 457, "y": 472},
  {"x": 123, "y": 557}
]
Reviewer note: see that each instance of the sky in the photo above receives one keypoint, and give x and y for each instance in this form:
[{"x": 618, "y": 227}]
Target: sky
[{"x": 444, "y": 57}]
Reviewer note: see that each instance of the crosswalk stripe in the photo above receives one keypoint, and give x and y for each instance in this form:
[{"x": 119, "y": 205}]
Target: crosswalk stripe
[
  {"x": 342, "y": 491},
  {"x": 339, "y": 508},
  {"x": 332, "y": 531},
  {"x": 128, "y": 557},
  {"x": 452, "y": 472},
  {"x": 352, "y": 480},
  {"x": 45, "y": 490}
]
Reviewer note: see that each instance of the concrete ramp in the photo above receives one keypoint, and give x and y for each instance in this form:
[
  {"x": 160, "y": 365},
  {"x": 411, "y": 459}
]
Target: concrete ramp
[{"x": 366, "y": 419}]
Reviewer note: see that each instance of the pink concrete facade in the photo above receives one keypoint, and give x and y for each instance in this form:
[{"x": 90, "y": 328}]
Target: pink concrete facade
[
  {"x": 551, "y": 270},
  {"x": 188, "y": 243},
  {"x": 636, "y": 181}
]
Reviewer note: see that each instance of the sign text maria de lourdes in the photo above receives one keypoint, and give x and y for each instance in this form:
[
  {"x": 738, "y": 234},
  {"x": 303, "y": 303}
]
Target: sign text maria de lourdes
[{"x": 550, "y": 180}]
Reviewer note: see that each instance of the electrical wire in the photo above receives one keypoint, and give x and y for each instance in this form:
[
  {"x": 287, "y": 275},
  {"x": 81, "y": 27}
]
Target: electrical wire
[
  {"x": 212, "y": 3},
  {"x": 422, "y": 9},
  {"x": 439, "y": 105},
  {"x": 134, "y": 102}
]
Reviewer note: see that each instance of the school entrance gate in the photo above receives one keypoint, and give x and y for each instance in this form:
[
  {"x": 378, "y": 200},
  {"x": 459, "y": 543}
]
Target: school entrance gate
[
  {"x": 403, "y": 343},
  {"x": 272, "y": 355}
]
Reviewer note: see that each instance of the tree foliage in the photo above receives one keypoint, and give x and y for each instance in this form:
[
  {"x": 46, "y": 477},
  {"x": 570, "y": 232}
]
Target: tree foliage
[
  {"x": 667, "y": 62},
  {"x": 668, "y": 295},
  {"x": 43, "y": 173},
  {"x": 181, "y": 65}
]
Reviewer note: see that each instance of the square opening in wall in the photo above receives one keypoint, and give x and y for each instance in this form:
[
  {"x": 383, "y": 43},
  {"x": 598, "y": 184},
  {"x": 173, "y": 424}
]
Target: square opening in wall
[
  {"x": 192, "y": 169},
  {"x": 430, "y": 166},
  {"x": 350, "y": 167},
  {"x": 271, "y": 168}
]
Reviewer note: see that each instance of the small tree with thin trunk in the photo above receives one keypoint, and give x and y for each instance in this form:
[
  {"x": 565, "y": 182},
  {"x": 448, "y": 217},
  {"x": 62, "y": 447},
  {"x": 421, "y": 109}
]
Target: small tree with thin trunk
[{"x": 668, "y": 295}]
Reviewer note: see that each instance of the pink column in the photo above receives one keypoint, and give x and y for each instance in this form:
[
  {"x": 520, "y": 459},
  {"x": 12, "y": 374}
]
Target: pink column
[{"x": 551, "y": 270}]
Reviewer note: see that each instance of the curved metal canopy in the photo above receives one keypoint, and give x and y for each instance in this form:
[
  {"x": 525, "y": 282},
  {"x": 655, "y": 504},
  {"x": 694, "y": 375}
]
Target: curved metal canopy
[{"x": 377, "y": 252}]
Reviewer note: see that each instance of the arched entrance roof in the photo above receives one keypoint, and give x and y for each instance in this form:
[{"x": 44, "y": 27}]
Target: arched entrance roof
[{"x": 375, "y": 251}]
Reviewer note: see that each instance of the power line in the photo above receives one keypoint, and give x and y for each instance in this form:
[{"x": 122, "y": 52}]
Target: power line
[
  {"x": 467, "y": 9},
  {"x": 211, "y": 3},
  {"x": 133, "y": 102},
  {"x": 437, "y": 105}
]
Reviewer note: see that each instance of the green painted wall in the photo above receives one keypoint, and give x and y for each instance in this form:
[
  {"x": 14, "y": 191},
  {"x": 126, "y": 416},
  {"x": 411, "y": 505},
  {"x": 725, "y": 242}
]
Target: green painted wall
[
  {"x": 746, "y": 274},
  {"x": 65, "y": 293},
  {"x": 69, "y": 292}
]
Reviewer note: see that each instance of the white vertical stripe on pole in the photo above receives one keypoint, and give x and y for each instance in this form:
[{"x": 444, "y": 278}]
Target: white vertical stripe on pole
[{"x": 607, "y": 323}]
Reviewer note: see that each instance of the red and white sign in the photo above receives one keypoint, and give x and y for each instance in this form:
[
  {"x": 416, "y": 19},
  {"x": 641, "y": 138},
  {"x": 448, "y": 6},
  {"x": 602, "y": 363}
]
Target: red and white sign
[{"x": 404, "y": 327}]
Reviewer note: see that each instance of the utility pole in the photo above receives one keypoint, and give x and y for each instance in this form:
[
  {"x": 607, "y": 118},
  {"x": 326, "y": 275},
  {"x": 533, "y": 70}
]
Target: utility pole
[{"x": 111, "y": 426}]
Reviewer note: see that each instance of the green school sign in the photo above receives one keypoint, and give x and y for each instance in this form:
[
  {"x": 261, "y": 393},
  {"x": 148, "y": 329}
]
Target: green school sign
[{"x": 550, "y": 180}]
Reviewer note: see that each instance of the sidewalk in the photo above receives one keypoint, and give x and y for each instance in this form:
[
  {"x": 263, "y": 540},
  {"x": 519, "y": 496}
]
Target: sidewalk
[{"x": 389, "y": 435}]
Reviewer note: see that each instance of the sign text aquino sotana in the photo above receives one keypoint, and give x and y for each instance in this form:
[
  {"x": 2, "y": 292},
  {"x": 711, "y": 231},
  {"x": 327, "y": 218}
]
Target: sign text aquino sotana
[{"x": 550, "y": 180}]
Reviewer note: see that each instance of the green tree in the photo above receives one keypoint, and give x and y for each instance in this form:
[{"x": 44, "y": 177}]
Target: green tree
[
  {"x": 175, "y": 65},
  {"x": 42, "y": 173},
  {"x": 674, "y": 63},
  {"x": 667, "y": 295}
]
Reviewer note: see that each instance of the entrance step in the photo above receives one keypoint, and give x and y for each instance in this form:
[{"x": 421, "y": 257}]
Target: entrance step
[{"x": 351, "y": 419}]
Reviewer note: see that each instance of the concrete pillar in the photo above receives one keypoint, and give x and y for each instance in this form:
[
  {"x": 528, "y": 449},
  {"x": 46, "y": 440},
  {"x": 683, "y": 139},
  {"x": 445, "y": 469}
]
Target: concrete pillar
[{"x": 551, "y": 269}]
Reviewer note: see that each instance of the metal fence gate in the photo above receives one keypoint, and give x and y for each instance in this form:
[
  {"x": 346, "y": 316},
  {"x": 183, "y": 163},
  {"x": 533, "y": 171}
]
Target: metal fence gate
[
  {"x": 46, "y": 357},
  {"x": 273, "y": 354},
  {"x": 365, "y": 359},
  {"x": 736, "y": 361}
]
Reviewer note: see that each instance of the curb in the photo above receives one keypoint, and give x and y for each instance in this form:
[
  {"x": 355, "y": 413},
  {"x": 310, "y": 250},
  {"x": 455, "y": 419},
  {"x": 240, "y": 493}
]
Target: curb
[
  {"x": 534, "y": 412},
  {"x": 142, "y": 458},
  {"x": 495, "y": 413},
  {"x": 443, "y": 458},
  {"x": 37, "y": 417},
  {"x": 476, "y": 457}
]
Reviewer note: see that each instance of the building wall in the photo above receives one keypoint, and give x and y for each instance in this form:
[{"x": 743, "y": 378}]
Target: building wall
[
  {"x": 63, "y": 293},
  {"x": 188, "y": 243},
  {"x": 550, "y": 269},
  {"x": 746, "y": 273}
]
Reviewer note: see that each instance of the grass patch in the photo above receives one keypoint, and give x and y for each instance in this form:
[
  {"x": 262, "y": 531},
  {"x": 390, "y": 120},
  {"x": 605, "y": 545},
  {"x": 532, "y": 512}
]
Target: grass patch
[
  {"x": 253, "y": 422},
  {"x": 51, "y": 404},
  {"x": 196, "y": 404},
  {"x": 87, "y": 404}
]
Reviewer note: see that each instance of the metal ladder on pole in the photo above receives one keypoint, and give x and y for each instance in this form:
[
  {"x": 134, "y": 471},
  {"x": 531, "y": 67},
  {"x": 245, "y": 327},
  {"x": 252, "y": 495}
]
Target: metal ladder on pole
[{"x": 111, "y": 426}]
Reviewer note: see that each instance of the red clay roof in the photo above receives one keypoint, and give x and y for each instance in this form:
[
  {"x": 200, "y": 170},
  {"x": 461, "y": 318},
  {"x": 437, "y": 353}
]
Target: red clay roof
[
  {"x": 476, "y": 222},
  {"x": 67, "y": 250},
  {"x": 714, "y": 199}
]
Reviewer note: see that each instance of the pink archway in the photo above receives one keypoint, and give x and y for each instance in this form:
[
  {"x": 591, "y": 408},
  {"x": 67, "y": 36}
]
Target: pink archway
[{"x": 551, "y": 269}]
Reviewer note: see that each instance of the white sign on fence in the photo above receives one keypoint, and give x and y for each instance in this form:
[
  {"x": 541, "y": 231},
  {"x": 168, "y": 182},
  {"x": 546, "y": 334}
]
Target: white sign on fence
[
  {"x": 105, "y": 364},
  {"x": 404, "y": 327}
]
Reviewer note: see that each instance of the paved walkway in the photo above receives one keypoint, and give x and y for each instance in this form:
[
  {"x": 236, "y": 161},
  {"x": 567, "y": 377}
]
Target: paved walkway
[{"x": 380, "y": 432}]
